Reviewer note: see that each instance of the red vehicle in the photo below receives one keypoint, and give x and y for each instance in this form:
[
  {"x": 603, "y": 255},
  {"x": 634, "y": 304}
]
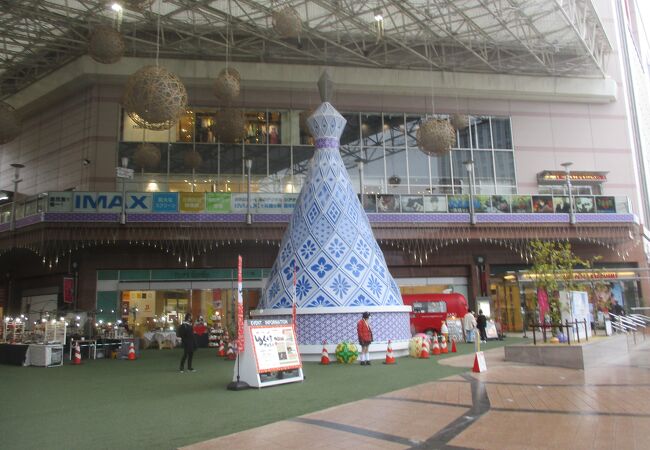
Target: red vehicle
[{"x": 430, "y": 310}]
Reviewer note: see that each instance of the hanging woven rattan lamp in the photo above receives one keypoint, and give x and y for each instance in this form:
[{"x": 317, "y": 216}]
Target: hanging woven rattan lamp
[
  {"x": 147, "y": 156},
  {"x": 154, "y": 98},
  {"x": 459, "y": 121},
  {"x": 436, "y": 137},
  {"x": 287, "y": 23},
  {"x": 9, "y": 123},
  {"x": 228, "y": 85},
  {"x": 106, "y": 45},
  {"x": 230, "y": 125}
]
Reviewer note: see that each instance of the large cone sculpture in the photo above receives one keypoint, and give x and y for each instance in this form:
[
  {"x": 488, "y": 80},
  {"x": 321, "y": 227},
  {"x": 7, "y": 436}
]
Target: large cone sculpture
[{"x": 340, "y": 269}]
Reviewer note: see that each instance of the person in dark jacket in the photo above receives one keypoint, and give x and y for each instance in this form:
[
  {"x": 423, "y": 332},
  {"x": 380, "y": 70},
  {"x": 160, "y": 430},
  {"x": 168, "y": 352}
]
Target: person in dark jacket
[
  {"x": 481, "y": 323},
  {"x": 365, "y": 338},
  {"x": 186, "y": 334}
]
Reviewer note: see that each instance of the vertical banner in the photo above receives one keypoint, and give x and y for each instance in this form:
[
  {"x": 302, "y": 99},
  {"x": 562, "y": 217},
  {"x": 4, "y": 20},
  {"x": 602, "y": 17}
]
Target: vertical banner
[
  {"x": 542, "y": 302},
  {"x": 68, "y": 290},
  {"x": 240, "y": 308}
]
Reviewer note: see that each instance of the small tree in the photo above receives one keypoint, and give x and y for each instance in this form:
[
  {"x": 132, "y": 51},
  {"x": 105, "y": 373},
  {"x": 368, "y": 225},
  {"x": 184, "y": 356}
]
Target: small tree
[{"x": 553, "y": 265}]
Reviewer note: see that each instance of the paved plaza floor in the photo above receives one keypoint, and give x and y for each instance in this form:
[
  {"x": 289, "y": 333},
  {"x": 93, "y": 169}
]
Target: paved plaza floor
[{"x": 511, "y": 406}]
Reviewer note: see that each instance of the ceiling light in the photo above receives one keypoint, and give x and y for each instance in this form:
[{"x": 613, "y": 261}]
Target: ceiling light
[
  {"x": 116, "y": 7},
  {"x": 378, "y": 15}
]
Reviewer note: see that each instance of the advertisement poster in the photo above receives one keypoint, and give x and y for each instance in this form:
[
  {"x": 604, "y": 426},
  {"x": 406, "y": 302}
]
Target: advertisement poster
[
  {"x": 165, "y": 202},
  {"x": 217, "y": 202},
  {"x": 500, "y": 204},
  {"x": 68, "y": 290},
  {"x": 139, "y": 202},
  {"x": 192, "y": 202},
  {"x": 275, "y": 348},
  {"x": 606, "y": 204},
  {"x": 435, "y": 203},
  {"x": 412, "y": 203},
  {"x": 240, "y": 308}
]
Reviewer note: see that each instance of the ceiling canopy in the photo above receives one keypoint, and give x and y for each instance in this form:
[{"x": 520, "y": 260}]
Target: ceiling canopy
[{"x": 530, "y": 37}]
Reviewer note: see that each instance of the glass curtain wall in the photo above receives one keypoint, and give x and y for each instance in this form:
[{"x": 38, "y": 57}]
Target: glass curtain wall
[{"x": 379, "y": 151}]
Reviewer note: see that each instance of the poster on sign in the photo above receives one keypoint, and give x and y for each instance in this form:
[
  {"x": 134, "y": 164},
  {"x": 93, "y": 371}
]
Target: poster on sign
[
  {"x": 455, "y": 327},
  {"x": 275, "y": 357}
]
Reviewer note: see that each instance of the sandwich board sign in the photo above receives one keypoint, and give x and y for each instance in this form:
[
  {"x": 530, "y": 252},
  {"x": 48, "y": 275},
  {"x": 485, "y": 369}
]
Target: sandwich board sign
[{"x": 271, "y": 354}]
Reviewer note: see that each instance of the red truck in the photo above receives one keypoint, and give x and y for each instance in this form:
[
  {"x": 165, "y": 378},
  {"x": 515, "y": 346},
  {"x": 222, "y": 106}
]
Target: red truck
[{"x": 430, "y": 310}]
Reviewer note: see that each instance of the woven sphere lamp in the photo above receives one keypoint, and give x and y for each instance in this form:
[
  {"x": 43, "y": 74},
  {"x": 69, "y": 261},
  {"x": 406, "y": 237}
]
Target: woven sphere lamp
[
  {"x": 228, "y": 85},
  {"x": 106, "y": 45},
  {"x": 287, "y": 23},
  {"x": 192, "y": 159},
  {"x": 147, "y": 156},
  {"x": 154, "y": 98},
  {"x": 9, "y": 123},
  {"x": 230, "y": 125},
  {"x": 459, "y": 121},
  {"x": 436, "y": 137}
]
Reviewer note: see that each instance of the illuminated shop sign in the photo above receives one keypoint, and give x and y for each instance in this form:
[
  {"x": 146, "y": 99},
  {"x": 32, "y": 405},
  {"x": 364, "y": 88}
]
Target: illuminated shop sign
[
  {"x": 554, "y": 176},
  {"x": 589, "y": 275}
]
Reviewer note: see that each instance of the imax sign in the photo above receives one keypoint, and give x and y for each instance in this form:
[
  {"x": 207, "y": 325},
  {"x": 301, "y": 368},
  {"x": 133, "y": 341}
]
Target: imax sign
[{"x": 111, "y": 202}]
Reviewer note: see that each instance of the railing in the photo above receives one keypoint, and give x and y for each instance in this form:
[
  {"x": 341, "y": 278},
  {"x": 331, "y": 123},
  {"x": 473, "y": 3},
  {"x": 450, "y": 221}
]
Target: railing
[
  {"x": 630, "y": 324},
  {"x": 274, "y": 203},
  {"x": 567, "y": 326}
]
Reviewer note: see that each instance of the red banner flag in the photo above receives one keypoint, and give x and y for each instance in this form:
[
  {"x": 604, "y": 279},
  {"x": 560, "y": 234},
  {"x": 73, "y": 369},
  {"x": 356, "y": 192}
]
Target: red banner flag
[
  {"x": 542, "y": 302},
  {"x": 240, "y": 308},
  {"x": 68, "y": 290}
]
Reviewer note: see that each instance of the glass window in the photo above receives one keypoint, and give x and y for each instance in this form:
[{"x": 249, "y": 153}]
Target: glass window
[
  {"x": 278, "y": 129},
  {"x": 372, "y": 131},
  {"x": 418, "y": 171},
  {"x": 394, "y": 130},
  {"x": 480, "y": 132},
  {"x": 441, "y": 173},
  {"x": 501, "y": 133},
  {"x": 396, "y": 167},
  {"x": 258, "y": 154},
  {"x": 463, "y": 137},
  {"x": 186, "y": 125},
  {"x": 301, "y": 157},
  {"x": 412, "y": 125},
  {"x": 230, "y": 161},
  {"x": 352, "y": 132},
  {"x": 458, "y": 158},
  {"x": 437, "y": 307},
  {"x": 374, "y": 174},
  {"x": 305, "y": 135},
  {"x": 177, "y": 158},
  {"x": 505, "y": 168},
  {"x": 204, "y": 128},
  {"x": 483, "y": 172},
  {"x": 256, "y": 127}
]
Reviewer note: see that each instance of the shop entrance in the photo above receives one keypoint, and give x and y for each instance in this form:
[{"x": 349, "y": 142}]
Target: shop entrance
[{"x": 164, "y": 308}]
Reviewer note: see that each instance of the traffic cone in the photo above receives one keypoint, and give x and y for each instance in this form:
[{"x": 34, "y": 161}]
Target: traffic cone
[
  {"x": 435, "y": 349},
  {"x": 424, "y": 354},
  {"x": 131, "y": 352},
  {"x": 222, "y": 349},
  {"x": 390, "y": 359},
  {"x": 324, "y": 357},
  {"x": 231, "y": 352},
  {"x": 453, "y": 345},
  {"x": 443, "y": 344},
  {"x": 479, "y": 363},
  {"x": 77, "y": 354}
]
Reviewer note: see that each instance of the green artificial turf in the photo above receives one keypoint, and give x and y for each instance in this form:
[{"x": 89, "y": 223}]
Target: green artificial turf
[{"x": 147, "y": 403}]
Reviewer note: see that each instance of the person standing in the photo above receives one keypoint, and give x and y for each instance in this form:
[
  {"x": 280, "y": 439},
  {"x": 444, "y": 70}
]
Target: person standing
[
  {"x": 481, "y": 323},
  {"x": 365, "y": 338},
  {"x": 186, "y": 334},
  {"x": 469, "y": 324}
]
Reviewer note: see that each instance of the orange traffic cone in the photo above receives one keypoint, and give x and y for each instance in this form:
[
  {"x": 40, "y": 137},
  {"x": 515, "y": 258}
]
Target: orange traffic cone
[
  {"x": 435, "y": 349},
  {"x": 324, "y": 356},
  {"x": 424, "y": 354},
  {"x": 390, "y": 359},
  {"x": 443, "y": 344},
  {"x": 131, "y": 352},
  {"x": 453, "y": 345},
  {"x": 231, "y": 352},
  {"x": 222, "y": 349},
  {"x": 77, "y": 354}
]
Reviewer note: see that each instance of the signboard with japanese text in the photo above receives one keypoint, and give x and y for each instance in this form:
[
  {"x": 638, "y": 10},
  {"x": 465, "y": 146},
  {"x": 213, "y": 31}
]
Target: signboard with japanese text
[
  {"x": 275, "y": 348},
  {"x": 192, "y": 202},
  {"x": 165, "y": 202},
  {"x": 217, "y": 202},
  {"x": 59, "y": 202}
]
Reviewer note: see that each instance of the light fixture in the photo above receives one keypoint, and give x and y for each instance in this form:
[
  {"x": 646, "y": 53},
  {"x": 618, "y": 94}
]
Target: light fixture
[
  {"x": 116, "y": 7},
  {"x": 379, "y": 17}
]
